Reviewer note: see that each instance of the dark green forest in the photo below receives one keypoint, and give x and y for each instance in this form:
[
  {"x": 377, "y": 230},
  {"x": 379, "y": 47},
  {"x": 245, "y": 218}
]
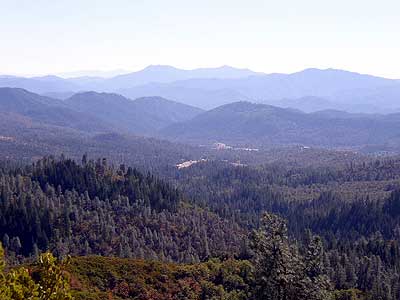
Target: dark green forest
[{"x": 331, "y": 229}]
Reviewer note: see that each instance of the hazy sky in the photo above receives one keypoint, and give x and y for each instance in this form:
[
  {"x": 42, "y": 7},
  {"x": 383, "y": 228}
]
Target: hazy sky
[{"x": 51, "y": 36}]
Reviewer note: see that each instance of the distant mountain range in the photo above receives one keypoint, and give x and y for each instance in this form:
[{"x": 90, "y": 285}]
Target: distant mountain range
[
  {"x": 41, "y": 85},
  {"x": 150, "y": 74},
  {"x": 336, "y": 86},
  {"x": 168, "y": 74},
  {"x": 241, "y": 124},
  {"x": 207, "y": 88},
  {"x": 93, "y": 73}
]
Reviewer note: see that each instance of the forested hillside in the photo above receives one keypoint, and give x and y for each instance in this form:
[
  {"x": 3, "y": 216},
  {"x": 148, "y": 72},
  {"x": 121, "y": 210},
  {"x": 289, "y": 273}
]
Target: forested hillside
[
  {"x": 96, "y": 209},
  {"x": 205, "y": 211},
  {"x": 38, "y": 111},
  {"x": 70, "y": 126},
  {"x": 353, "y": 208},
  {"x": 260, "y": 126},
  {"x": 142, "y": 116}
]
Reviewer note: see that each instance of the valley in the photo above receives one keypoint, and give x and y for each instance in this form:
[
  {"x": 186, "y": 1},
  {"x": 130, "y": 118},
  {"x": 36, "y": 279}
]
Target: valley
[{"x": 153, "y": 198}]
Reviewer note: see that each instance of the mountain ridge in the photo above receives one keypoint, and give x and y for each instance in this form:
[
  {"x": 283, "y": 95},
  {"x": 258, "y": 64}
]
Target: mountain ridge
[
  {"x": 142, "y": 116},
  {"x": 261, "y": 125},
  {"x": 45, "y": 110},
  {"x": 208, "y": 88}
]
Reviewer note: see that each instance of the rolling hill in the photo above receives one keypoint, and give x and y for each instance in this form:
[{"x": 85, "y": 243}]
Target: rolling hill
[
  {"x": 199, "y": 97},
  {"x": 44, "y": 111},
  {"x": 306, "y": 104},
  {"x": 37, "y": 119},
  {"x": 142, "y": 116},
  {"x": 32, "y": 126},
  {"x": 244, "y": 123}
]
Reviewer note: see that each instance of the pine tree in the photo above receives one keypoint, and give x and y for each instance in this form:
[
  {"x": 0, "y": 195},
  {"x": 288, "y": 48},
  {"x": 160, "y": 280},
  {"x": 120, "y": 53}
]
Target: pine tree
[{"x": 274, "y": 260}]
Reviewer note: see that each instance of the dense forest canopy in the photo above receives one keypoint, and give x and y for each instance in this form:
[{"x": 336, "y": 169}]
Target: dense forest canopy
[
  {"x": 93, "y": 208},
  {"x": 209, "y": 211}
]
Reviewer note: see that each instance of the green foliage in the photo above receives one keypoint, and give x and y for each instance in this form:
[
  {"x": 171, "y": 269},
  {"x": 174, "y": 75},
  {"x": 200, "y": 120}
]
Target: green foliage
[
  {"x": 47, "y": 282},
  {"x": 281, "y": 272},
  {"x": 275, "y": 273},
  {"x": 16, "y": 284},
  {"x": 97, "y": 277},
  {"x": 51, "y": 279}
]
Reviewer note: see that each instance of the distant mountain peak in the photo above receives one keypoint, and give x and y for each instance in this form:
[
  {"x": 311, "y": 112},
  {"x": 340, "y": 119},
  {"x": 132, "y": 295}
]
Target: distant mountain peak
[
  {"x": 48, "y": 77},
  {"x": 333, "y": 71},
  {"x": 159, "y": 68}
]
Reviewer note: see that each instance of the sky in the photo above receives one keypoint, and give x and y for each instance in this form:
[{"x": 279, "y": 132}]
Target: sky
[{"x": 57, "y": 36}]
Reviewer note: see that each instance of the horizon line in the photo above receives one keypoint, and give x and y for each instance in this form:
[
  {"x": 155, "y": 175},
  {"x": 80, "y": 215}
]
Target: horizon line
[{"x": 122, "y": 71}]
